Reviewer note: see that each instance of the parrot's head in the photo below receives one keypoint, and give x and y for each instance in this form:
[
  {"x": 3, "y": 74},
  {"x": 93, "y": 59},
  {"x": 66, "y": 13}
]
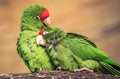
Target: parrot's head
[{"x": 35, "y": 17}]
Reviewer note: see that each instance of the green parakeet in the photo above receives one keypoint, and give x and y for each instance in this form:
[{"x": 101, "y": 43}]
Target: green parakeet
[
  {"x": 51, "y": 47},
  {"x": 72, "y": 51},
  {"x": 35, "y": 57}
]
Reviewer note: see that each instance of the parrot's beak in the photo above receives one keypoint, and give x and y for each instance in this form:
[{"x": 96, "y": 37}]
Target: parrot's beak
[
  {"x": 47, "y": 21},
  {"x": 42, "y": 43},
  {"x": 40, "y": 40}
]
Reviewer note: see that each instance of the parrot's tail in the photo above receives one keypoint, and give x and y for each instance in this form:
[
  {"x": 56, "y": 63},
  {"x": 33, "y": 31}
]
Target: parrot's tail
[{"x": 111, "y": 66}]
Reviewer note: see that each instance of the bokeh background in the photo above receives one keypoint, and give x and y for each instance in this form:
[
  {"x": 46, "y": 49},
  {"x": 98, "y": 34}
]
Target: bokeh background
[{"x": 97, "y": 19}]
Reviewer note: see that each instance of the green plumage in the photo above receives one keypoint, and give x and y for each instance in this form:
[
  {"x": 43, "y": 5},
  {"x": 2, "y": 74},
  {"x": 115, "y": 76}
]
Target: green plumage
[
  {"x": 66, "y": 50},
  {"x": 72, "y": 51},
  {"x": 34, "y": 56}
]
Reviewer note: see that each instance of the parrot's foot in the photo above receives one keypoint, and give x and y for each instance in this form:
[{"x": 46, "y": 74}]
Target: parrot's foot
[
  {"x": 83, "y": 69},
  {"x": 59, "y": 68}
]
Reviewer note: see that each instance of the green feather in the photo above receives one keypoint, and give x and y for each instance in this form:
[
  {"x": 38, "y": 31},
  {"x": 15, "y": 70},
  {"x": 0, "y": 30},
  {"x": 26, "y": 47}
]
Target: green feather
[{"x": 70, "y": 35}]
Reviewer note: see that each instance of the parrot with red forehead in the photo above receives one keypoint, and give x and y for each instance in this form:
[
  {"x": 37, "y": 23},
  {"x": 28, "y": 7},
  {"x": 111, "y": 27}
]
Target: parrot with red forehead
[
  {"x": 46, "y": 48},
  {"x": 34, "y": 18},
  {"x": 70, "y": 51}
]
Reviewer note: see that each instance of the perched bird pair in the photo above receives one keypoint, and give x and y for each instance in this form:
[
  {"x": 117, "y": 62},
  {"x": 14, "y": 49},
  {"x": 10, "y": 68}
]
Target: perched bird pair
[{"x": 46, "y": 48}]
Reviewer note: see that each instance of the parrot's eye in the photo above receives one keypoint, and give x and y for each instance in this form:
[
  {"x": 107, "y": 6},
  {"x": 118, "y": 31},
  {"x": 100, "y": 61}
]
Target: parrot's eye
[{"x": 37, "y": 17}]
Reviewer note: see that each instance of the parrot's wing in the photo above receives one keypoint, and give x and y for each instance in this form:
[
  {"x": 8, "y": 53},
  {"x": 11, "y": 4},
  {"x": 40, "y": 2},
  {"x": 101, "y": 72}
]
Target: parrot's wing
[
  {"x": 34, "y": 56},
  {"x": 84, "y": 48},
  {"x": 87, "y": 50},
  {"x": 81, "y": 36}
]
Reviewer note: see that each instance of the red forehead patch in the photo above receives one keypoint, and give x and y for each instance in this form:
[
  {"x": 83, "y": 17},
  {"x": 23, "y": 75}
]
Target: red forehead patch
[
  {"x": 44, "y": 14},
  {"x": 41, "y": 32}
]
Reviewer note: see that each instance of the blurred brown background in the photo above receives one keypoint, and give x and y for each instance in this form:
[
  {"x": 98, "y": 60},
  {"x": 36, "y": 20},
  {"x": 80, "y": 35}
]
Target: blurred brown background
[{"x": 97, "y": 19}]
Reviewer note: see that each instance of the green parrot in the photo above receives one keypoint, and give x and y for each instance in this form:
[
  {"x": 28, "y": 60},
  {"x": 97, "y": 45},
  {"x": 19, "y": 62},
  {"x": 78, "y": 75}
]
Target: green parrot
[
  {"x": 70, "y": 51},
  {"x": 51, "y": 47},
  {"x": 34, "y": 56}
]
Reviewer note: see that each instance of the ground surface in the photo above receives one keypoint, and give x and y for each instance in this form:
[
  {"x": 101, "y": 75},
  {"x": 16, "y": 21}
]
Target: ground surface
[{"x": 59, "y": 75}]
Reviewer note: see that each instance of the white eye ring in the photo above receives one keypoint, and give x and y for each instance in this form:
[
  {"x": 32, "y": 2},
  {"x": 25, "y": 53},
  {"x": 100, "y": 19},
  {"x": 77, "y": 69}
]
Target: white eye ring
[{"x": 37, "y": 17}]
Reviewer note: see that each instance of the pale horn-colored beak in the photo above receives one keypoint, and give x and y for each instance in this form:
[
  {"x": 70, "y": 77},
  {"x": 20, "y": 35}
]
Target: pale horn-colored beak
[
  {"x": 40, "y": 40},
  {"x": 47, "y": 21}
]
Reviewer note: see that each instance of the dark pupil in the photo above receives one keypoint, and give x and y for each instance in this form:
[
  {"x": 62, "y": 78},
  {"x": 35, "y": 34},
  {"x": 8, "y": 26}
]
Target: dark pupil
[{"x": 37, "y": 17}]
